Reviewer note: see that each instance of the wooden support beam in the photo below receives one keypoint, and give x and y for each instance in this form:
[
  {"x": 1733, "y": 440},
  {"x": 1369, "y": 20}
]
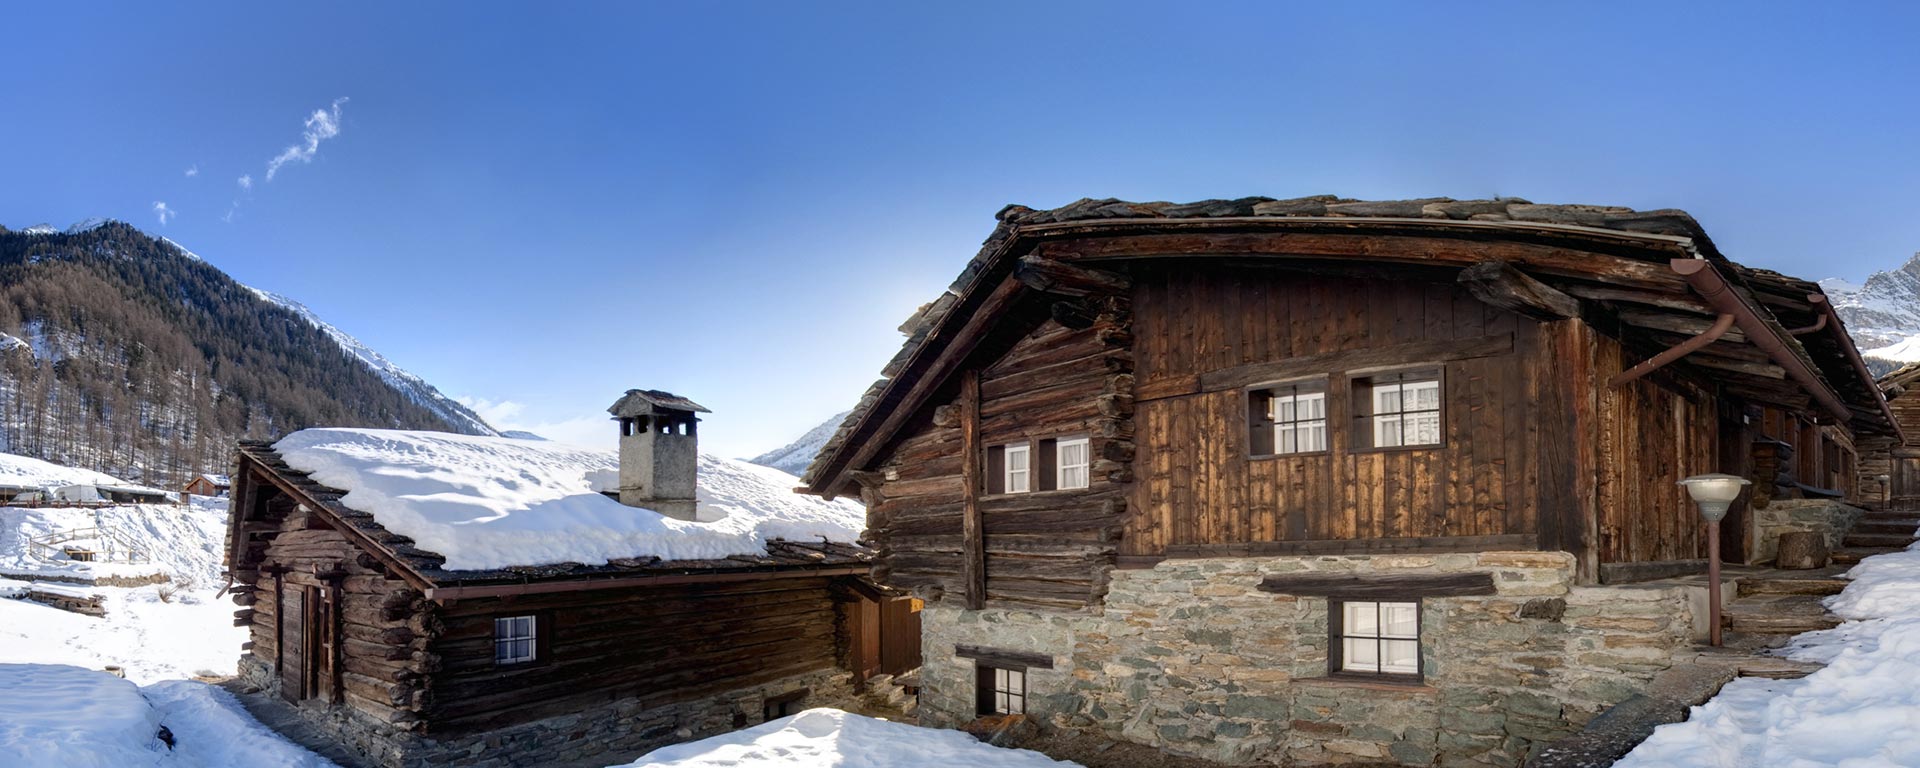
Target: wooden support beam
[
  {"x": 1711, "y": 334},
  {"x": 1003, "y": 658},
  {"x": 1379, "y": 586},
  {"x": 1062, "y": 279},
  {"x": 1498, "y": 283},
  {"x": 973, "y": 547}
]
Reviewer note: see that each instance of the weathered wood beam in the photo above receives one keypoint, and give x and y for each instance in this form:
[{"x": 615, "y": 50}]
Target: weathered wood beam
[
  {"x": 1379, "y": 586},
  {"x": 1004, "y": 658},
  {"x": 1062, "y": 279},
  {"x": 974, "y": 560},
  {"x": 1683, "y": 303},
  {"x": 1709, "y": 335},
  {"x": 1498, "y": 283},
  {"x": 1331, "y": 362},
  {"x": 1072, "y": 314}
]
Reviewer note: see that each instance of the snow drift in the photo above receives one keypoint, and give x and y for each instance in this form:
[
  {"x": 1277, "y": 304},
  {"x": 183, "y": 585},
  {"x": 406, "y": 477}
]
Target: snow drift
[
  {"x": 493, "y": 502},
  {"x": 830, "y": 737}
]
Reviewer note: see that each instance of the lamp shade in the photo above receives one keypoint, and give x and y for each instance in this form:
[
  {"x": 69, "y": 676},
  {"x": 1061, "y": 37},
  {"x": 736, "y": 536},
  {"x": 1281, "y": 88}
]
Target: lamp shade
[{"x": 1714, "y": 493}]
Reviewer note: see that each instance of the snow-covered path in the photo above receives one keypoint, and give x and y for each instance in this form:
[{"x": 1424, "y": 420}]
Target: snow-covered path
[
  {"x": 1861, "y": 711},
  {"x": 191, "y": 636}
]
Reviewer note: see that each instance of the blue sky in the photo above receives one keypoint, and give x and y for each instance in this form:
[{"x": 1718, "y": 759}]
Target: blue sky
[{"x": 541, "y": 205}]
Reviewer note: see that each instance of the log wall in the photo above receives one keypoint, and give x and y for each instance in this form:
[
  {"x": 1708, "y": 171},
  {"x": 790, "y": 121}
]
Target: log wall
[{"x": 658, "y": 645}]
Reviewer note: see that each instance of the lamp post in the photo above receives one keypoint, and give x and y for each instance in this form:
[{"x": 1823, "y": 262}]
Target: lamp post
[
  {"x": 1884, "y": 490},
  {"x": 1714, "y": 494}
]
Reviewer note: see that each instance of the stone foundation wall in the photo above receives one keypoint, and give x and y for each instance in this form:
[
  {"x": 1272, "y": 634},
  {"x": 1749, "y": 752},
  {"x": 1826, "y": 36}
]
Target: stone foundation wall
[
  {"x": 1191, "y": 657},
  {"x": 607, "y": 734},
  {"x": 1831, "y": 519}
]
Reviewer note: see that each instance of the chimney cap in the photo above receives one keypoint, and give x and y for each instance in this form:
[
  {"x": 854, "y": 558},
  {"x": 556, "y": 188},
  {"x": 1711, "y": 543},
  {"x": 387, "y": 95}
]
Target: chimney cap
[{"x": 646, "y": 402}]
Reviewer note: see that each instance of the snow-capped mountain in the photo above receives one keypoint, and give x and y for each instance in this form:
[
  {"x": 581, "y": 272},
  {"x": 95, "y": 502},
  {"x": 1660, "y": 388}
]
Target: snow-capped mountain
[
  {"x": 414, "y": 387},
  {"x": 1882, "y": 314},
  {"x": 794, "y": 457}
]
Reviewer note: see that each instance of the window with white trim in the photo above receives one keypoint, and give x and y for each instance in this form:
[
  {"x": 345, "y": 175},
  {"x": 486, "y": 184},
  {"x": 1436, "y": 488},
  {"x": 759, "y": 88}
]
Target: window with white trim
[
  {"x": 1073, "y": 460},
  {"x": 1375, "y": 638},
  {"x": 1019, "y": 473},
  {"x": 1001, "y": 690},
  {"x": 1398, "y": 410},
  {"x": 1299, "y": 415},
  {"x": 514, "y": 640}
]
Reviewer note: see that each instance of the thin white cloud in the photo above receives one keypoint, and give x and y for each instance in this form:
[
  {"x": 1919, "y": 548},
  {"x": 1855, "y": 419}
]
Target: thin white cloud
[
  {"x": 506, "y": 416},
  {"x": 164, "y": 213},
  {"x": 323, "y": 124},
  {"x": 245, "y": 181},
  {"x": 193, "y": 171},
  {"x": 228, "y": 216}
]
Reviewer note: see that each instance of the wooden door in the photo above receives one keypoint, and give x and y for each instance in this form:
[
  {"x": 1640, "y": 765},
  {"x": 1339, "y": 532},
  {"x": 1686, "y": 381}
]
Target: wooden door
[
  {"x": 293, "y": 645},
  {"x": 1903, "y": 486},
  {"x": 1735, "y": 443},
  {"x": 865, "y": 621},
  {"x": 322, "y": 644},
  {"x": 899, "y": 636}
]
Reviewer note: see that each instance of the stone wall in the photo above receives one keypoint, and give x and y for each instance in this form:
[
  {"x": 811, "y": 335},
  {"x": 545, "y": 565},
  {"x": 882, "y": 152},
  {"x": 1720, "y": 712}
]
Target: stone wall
[
  {"x": 611, "y": 733},
  {"x": 1831, "y": 519},
  {"x": 1191, "y": 657}
]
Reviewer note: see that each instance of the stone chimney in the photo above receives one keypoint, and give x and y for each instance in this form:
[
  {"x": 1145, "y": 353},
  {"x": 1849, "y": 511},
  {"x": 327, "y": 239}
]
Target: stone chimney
[{"x": 659, "y": 452}]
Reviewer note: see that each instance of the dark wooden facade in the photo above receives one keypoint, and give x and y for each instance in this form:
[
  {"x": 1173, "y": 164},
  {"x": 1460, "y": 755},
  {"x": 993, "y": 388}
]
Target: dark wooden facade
[
  {"x": 1150, "y": 331},
  {"x": 346, "y": 613},
  {"x": 1896, "y": 460}
]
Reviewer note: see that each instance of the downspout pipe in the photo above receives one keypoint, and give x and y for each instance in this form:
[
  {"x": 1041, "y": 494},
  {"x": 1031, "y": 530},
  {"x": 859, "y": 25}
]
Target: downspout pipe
[
  {"x": 1831, "y": 319},
  {"x": 1713, "y": 288},
  {"x": 1712, "y": 334}
]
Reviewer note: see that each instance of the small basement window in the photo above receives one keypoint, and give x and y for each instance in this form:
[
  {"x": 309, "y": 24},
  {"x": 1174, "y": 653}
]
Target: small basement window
[
  {"x": 1374, "y": 638},
  {"x": 1000, "y": 690},
  {"x": 1397, "y": 410},
  {"x": 789, "y": 703},
  {"x": 514, "y": 639}
]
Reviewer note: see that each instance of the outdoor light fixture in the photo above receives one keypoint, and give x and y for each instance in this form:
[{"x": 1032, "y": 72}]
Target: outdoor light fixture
[
  {"x": 1714, "y": 494},
  {"x": 1884, "y": 491}
]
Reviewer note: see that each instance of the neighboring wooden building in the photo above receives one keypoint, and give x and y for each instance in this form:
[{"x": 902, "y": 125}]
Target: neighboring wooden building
[
  {"x": 207, "y": 485},
  {"x": 1890, "y": 467},
  {"x": 1163, "y": 412},
  {"x": 407, "y": 662}
]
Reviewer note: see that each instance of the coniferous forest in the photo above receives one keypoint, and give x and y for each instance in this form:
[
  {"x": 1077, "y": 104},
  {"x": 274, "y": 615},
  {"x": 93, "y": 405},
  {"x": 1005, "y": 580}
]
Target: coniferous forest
[{"x": 125, "y": 354}]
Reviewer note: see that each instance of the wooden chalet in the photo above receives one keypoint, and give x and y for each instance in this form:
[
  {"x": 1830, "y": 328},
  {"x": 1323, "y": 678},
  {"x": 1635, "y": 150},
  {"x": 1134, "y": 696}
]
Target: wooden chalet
[
  {"x": 1122, "y": 392},
  {"x": 207, "y": 485},
  {"x": 405, "y": 662},
  {"x": 1890, "y": 466}
]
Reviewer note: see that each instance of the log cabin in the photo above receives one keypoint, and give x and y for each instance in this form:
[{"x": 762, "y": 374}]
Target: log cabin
[
  {"x": 1889, "y": 469},
  {"x": 431, "y": 599},
  {"x": 206, "y": 485},
  {"x": 1322, "y": 480}
]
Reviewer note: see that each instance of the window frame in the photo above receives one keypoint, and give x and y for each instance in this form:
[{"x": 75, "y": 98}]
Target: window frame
[
  {"x": 1006, "y": 467},
  {"x": 537, "y": 639},
  {"x": 1060, "y": 465},
  {"x": 1261, "y": 399},
  {"x": 1337, "y": 635},
  {"x": 987, "y": 691},
  {"x": 1360, "y": 405}
]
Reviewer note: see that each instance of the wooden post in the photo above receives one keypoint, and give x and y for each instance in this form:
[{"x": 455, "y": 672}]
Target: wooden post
[
  {"x": 1713, "y": 582},
  {"x": 973, "y": 567}
]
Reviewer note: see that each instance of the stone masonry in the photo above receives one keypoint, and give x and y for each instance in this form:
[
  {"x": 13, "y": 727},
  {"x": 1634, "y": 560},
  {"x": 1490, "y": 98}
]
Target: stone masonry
[
  {"x": 1191, "y": 658},
  {"x": 1831, "y": 519},
  {"x": 606, "y": 734}
]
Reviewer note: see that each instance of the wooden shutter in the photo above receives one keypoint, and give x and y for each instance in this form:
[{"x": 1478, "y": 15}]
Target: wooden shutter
[
  {"x": 1259, "y": 426},
  {"x": 1045, "y": 464},
  {"x": 997, "y": 469}
]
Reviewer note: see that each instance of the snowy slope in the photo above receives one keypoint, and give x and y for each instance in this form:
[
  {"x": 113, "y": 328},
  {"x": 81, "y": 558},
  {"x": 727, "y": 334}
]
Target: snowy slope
[
  {"x": 794, "y": 457},
  {"x": 830, "y": 737},
  {"x": 24, "y": 472},
  {"x": 184, "y": 542},
  {"x": 492, "y": 502},
  {"x": 1882, "y": 314},
  {"x": 414, "y": 387}
]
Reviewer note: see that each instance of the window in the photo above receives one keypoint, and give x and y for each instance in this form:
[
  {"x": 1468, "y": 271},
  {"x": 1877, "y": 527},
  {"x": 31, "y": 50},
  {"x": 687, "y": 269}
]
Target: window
[
  {"x": 1002, "y": 690},
  {"x": 789, "y": 703},
  {"x": 1374, "y": 638},
  {"x": 1019, "y": 476},
  {"x": 1072, "y": 462},
  {"x": 1288, "y": 418},
  {"x": 513, "y": 639},
  {"x": 1397, "y": 410}
]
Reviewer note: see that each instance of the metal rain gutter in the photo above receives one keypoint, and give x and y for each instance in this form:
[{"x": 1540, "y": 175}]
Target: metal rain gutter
[{"x": 1712, "y": 287}]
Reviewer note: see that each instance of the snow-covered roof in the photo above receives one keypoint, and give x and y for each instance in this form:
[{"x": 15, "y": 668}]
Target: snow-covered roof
[
  {"x": 220, "y": 480},
  {"x": 493, "y": 502},
  {"x": 819, "y": 737},
  {"x": 640, "y": 402}
]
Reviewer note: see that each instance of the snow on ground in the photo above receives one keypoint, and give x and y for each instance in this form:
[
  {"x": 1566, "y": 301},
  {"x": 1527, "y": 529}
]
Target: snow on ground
[
  {"x": 830, "y": 737},
  {"x": 182, "y": 541},
  {"x": 25, "y": 472},
  {"x": 1861, "y": 711},
  {"x": 189, "y": 634},
  {"x": 491, "y": 502},
  {"x": 65, "y": 716}
]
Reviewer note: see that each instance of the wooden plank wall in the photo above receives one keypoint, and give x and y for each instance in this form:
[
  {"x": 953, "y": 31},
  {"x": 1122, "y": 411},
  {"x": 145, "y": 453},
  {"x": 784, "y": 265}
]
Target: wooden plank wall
[
  {"x": 1197, "y": 484},
  {"x": 659, "y": 644},
  {"x": 1649, "y": 437},
  {"x": 1047, "y": 549}
]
